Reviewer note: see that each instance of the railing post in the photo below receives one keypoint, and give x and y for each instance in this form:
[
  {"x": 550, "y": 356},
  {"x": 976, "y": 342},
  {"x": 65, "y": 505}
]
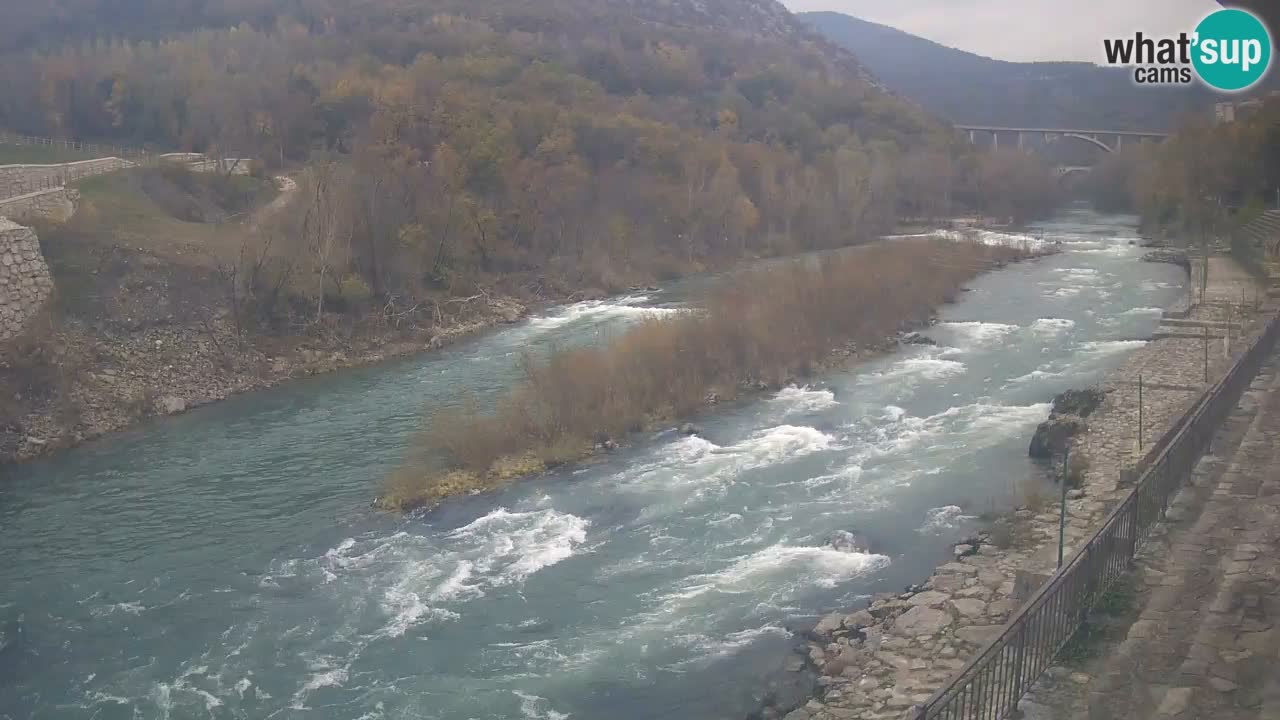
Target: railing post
[{"x": 1019, "y": 663}]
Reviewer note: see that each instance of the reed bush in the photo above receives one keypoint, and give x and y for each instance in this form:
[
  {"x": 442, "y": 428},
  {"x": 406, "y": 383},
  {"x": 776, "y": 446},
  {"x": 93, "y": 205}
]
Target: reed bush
[{"x": 766, "y": 325}]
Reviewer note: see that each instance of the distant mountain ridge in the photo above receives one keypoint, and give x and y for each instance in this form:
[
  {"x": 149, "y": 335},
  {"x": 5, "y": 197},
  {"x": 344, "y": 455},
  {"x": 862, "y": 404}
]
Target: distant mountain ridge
[{"x": 970, "y": 89}]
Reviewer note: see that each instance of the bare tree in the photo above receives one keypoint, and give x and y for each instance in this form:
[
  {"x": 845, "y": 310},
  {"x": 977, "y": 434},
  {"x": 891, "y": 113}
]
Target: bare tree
[{"x": 326, "y": 222}]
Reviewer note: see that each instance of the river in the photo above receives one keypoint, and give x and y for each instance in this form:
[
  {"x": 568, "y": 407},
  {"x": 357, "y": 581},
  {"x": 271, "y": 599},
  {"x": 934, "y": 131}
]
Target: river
[{"x": 226, "y": 563}]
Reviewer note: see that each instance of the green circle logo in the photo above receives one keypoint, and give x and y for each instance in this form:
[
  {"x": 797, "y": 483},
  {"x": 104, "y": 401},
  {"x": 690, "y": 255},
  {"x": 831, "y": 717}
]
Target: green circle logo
[{"x": 1232, "y": 50}]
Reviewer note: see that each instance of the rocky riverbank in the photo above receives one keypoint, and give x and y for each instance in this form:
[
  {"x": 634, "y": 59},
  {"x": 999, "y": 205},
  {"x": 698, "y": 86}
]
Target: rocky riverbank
[
  {"x": 84, "y": 378},
  {"x": 878, "y": 662}
]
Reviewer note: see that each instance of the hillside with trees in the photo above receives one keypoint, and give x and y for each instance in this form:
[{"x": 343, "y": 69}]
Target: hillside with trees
[
  {"x": 455, "y": 161},
  {"x": 1203, "y": 183},
  {"x": 564, "y": 143},
  {"x": 974, "y": 90}
]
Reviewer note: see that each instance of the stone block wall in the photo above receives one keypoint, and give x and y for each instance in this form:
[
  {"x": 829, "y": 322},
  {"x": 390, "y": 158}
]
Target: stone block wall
[
  {"x": 25, "y": 283},
  {"x": 58, "y": 204},
  {"x": 24, "y": 179}
]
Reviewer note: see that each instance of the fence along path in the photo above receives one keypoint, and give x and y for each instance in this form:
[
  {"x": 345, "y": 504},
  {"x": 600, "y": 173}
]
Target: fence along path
[
  {"x": 96, "y": 149},
  {"x": 25, "y": 179},
  {"x": 990, "y": 685}
]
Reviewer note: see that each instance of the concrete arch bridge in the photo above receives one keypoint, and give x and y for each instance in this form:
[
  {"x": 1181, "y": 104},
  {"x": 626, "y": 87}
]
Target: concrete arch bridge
[{"x": 1109, "y": 141}]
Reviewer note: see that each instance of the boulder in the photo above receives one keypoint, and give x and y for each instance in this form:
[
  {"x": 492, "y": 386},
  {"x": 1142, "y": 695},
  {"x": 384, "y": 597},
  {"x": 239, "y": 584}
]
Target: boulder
[
  {"x": 690, "y": 429},
  {"x": 507, "y": 311},
  {"x": 915, "y": 338},
  {"x": 932, "y": 598},
  {"x": 978, "y": 634},
  {"x": 1054, "y": 435},
  {"x": 828, "y": 625},
  {"x": 860, "y": 619},
  {"x": 921, "y": 620},
  {"x": 170, "y": 405},
  {"x": 849, "y": 542},
  {"x": 969, "y": 607},
  {"x": 1172, "y": 257},
  {"x": 1080, "y": 403}
]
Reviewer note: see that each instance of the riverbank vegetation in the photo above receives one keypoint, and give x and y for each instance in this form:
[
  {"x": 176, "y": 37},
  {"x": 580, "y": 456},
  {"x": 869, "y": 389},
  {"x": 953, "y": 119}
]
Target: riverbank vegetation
[
  {"x": 1203, "y": 183},
  {"x": 758, "y": 328}
]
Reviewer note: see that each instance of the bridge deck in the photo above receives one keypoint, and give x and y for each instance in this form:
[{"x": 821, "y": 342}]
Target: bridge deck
[{"x": 1062, "y": 131}]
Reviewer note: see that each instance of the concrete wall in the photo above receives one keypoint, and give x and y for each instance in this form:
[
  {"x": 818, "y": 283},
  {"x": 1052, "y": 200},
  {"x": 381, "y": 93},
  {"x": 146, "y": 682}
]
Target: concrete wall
[
  {"x": 25, "y": 283},
  {"x": 58, "y": 204},
  {"x": 199, "y": 162},
  {"x": 24, "y": 179}
]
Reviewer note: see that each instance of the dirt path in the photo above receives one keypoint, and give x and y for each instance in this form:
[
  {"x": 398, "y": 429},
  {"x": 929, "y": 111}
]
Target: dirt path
[{"x": 287, "y": 186}]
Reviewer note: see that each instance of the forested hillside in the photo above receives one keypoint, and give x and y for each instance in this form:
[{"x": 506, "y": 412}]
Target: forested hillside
[
  {"x": 970, "y": 89},
  {"x": 462, "y": 142},
  {"x": 1203, "y": 183}
]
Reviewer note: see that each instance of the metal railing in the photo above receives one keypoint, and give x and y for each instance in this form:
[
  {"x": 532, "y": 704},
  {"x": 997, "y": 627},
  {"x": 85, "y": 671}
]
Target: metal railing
[
  {"x": 93, "y": 149},
  {"x": 990, "y": 685}
]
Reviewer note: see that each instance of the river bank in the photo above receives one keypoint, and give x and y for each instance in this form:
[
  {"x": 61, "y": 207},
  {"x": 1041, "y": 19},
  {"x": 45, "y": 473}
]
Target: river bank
[
  {"x": 110, "y": 373},
  {"x": 144, "y": 337},
  {"x": 878, "y": 662}
]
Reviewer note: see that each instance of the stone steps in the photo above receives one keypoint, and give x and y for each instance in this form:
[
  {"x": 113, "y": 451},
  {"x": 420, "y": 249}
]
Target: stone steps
[
  {"x": 1186, "y": 334},
  {"x": 1189, "y": 323},
  {"x": 1263, "y": 230}
]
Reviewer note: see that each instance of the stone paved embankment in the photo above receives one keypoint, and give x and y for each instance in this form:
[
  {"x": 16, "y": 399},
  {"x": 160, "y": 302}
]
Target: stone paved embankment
[
  {"x": 1204, "y": 641},
  {"x": 879, "y": 662}
]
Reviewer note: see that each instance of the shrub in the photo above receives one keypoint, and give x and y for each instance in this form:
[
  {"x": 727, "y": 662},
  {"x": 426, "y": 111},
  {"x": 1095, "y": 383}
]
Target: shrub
[
  {"x": 354, "y": 291},
  {"x": 767, "y": 325}
]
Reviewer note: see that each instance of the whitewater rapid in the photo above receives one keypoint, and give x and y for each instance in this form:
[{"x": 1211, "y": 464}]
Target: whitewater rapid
[{"x": 226, "y": 564}]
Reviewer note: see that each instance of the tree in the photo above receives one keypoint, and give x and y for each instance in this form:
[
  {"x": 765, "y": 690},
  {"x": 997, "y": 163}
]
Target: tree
[{"x": 326, "y": 222}]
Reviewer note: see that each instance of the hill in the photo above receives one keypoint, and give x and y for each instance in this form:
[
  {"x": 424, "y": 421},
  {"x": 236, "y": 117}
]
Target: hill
[
  {"x": 971, "y": 89},
  {"x": 676, "y": 134}
]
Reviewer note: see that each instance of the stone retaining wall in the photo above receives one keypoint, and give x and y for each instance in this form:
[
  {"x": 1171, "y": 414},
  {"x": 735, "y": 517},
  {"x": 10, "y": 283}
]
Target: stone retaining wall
[
  {"x": 18, "y": 180},
  {"x": 25, "y": 283},
  {"x": 58, "y": 204}
]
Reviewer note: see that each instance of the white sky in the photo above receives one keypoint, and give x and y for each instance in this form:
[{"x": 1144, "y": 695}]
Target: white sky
[{"x": 1024, "y": 29}]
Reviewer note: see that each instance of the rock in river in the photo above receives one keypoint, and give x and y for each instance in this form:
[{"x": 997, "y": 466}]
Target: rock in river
[
  {"x": 1054, "y": 435},
  {"x": 1081, "y": 403},
  {"x": 915, "y": 338},
  {"x": 849, "y": 542}
]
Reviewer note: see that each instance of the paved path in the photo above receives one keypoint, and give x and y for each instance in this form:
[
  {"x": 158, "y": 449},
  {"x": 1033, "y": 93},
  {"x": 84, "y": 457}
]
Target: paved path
[{"x": 1205, "y": 643}]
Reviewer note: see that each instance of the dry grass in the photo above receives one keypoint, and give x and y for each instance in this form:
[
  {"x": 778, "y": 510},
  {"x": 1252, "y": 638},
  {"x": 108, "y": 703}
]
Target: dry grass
[
  {"x": 157, "y": 211},
  {"x": 767, "y": 325}
]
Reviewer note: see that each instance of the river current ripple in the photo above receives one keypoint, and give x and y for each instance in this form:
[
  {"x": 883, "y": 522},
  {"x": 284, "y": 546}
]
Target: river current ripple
[{"x": 226, "y": 563}]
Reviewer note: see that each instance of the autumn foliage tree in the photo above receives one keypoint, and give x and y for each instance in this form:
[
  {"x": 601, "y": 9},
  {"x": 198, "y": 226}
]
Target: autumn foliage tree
[{"x": 459, "y": 144}]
